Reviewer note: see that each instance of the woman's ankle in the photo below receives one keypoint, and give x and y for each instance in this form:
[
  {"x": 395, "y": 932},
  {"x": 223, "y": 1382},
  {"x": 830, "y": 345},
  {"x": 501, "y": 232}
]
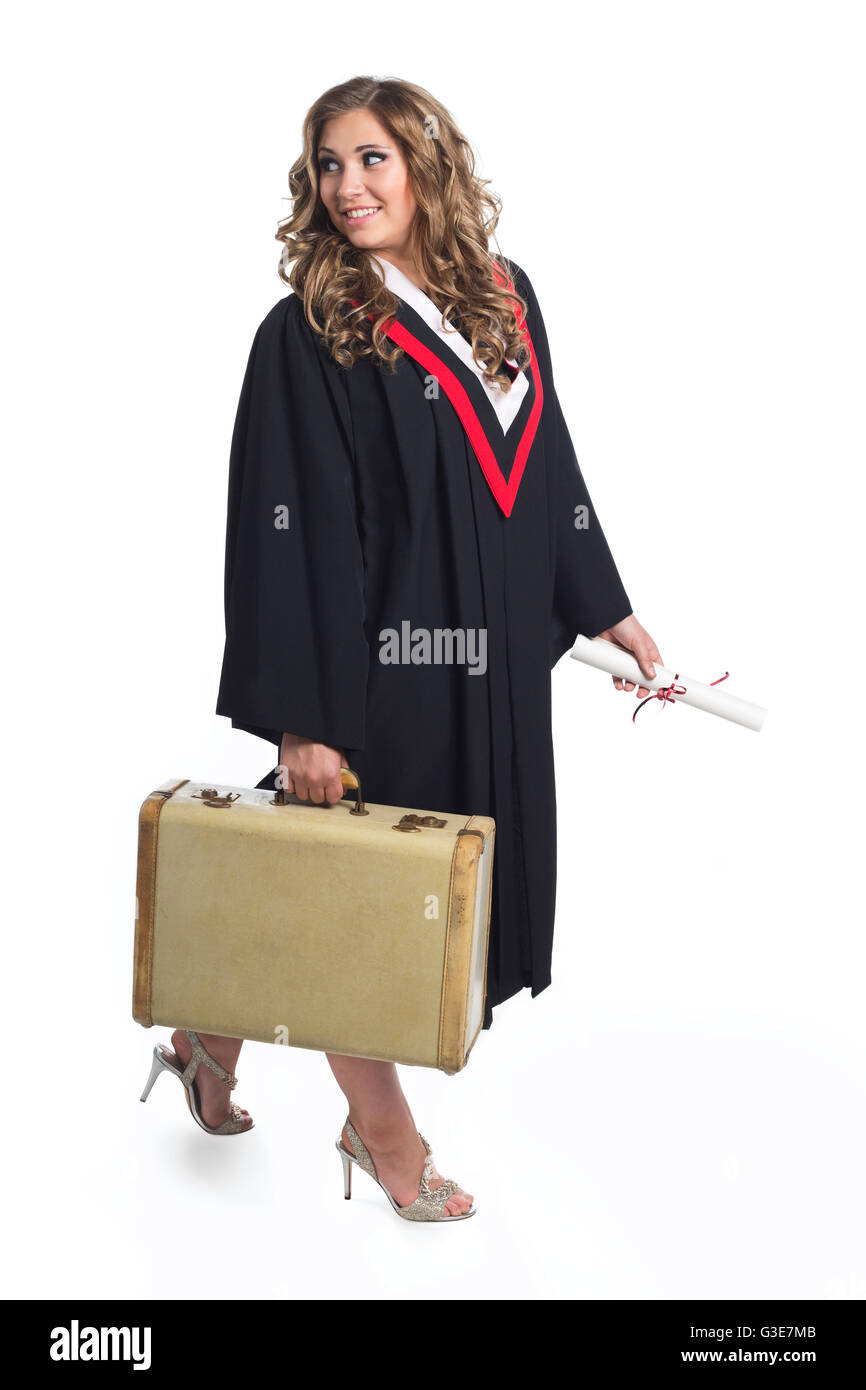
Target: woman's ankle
[
  {"x": 385, "y": 1133},
  {"x": 220, "y": 1048}
]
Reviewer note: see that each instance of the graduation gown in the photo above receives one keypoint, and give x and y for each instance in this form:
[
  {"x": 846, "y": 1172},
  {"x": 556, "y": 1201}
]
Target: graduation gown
[{"x": 364, "y": 503}]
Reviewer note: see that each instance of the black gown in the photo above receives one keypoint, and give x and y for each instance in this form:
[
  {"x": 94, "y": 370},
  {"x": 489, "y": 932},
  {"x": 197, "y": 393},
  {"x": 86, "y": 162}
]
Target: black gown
[{"x": 360, "y": 501}]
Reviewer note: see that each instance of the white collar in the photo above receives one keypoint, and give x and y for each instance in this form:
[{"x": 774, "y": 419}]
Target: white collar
[{"x": 506, "y": 403}]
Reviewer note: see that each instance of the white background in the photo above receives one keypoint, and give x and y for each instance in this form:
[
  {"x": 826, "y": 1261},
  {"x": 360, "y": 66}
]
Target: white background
[{"x": 682, "y": 1113}]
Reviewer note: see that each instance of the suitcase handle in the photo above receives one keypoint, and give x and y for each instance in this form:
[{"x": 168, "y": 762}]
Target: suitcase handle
[{"x": 350, "y": 781}]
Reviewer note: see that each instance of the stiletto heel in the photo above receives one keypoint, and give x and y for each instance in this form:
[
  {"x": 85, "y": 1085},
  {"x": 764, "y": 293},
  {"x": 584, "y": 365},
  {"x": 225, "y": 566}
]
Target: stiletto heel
[
  {"x": 159, "y": 1065},
  {"x": 347, "y": 1171},
  {"x": 429, "y": 1205},
  {"x": 163, "y": 1060}
]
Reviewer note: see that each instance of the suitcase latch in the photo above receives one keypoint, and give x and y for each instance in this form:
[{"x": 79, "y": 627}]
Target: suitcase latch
[
  {"x": 412, "y": 821},
  {"x": 211, "y": 797}
]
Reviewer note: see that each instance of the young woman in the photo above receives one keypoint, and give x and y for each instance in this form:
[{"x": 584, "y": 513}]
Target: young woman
[{"x": 400, "y": 464}]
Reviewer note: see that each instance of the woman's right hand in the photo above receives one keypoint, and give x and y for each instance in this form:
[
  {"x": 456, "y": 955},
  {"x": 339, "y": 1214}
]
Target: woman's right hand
[{"x": 311, "y": 770}]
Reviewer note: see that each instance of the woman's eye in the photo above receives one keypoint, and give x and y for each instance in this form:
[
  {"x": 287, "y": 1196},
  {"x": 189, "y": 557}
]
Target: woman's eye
[{"x": 329, "y": 165}]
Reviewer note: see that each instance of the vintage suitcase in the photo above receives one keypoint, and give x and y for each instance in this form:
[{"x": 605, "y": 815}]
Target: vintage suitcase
[{"x": 349, "y": 928}]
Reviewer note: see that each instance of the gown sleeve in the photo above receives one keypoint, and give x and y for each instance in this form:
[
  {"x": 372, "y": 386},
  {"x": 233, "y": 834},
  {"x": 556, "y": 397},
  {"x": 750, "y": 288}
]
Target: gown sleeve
[
  {"x": 588, "y": 594},
  {"x": 296, "y": 656}
]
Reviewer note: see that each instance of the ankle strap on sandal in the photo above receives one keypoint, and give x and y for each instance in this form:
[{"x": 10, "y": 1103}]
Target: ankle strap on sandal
[{"x": 200, "y": 1054}]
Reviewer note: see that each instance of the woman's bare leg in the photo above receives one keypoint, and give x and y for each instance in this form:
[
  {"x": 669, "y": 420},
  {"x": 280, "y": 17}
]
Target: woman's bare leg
[
  {"x": 214, "y": 1096},
  {"x": 377, "y": 1106},
  {"x": 380, "y": 1113}
]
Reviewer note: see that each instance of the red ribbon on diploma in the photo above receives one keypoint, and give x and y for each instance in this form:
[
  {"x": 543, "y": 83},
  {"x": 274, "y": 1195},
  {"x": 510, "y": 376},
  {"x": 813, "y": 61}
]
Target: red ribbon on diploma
[{"x": 667, "y": 692}]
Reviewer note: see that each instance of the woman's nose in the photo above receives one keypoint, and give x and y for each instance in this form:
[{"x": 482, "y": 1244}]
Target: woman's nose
[{"x": 351, "y": 185}]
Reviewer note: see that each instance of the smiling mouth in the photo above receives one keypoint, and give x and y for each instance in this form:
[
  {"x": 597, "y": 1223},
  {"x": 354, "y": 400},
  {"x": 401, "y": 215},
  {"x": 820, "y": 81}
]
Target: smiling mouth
[{"x": 354, "y": 216}]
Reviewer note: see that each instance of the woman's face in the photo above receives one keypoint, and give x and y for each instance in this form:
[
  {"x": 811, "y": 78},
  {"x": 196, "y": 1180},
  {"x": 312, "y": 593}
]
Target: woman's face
[{"x": 364, "y": 183}]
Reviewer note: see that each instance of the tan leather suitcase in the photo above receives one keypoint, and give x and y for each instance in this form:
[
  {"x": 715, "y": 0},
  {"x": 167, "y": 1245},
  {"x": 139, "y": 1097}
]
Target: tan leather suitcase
[{"x": 349, "y": 928}]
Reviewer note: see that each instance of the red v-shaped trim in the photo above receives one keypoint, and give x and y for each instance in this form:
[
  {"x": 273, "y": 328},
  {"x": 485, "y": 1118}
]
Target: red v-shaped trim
[{"x": 504, "y": 490}]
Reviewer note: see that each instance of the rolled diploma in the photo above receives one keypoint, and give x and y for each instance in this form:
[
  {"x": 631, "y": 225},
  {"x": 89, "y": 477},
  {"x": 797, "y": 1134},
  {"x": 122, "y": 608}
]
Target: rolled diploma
[{"x": 604, "y": 656}]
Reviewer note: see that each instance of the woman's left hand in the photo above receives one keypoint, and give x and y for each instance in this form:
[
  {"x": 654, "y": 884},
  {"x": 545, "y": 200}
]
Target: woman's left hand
[{"x": 635, "y": 639}]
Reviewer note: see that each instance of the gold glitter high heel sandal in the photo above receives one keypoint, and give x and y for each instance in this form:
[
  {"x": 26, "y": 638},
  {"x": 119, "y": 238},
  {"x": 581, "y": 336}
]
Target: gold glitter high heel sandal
[
  {"x": 429, "y": 1205},
  {"x": 163, "y": 1060}
]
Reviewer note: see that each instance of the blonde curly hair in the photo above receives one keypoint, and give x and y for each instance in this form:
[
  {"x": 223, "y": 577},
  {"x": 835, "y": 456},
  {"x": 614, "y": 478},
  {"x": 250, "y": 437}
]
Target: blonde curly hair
[{"x": 456, "y": 216}]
